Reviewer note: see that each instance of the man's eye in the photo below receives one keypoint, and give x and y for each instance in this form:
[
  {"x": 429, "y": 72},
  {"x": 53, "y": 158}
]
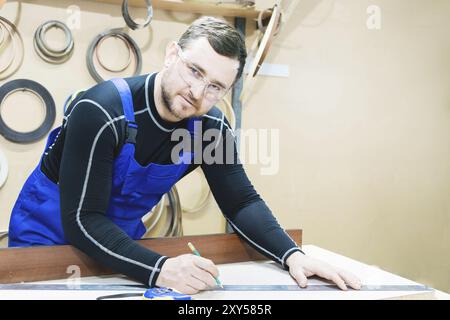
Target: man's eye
[
  {"x": 195, "y": 72},
  {"x": 215, "y": 88}
]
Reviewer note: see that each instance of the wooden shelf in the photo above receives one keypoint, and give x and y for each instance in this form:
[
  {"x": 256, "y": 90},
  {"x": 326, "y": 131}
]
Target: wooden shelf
[{"x": 226, "y": 10}]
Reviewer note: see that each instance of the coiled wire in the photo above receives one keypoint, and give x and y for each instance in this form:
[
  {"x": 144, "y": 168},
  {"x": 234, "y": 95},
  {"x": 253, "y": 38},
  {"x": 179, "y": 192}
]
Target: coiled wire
[
  {"x": 47, "y": 53},
  {"x": 121, "y": 35},
  {"x": 165, "y": 220},
  {"x": 130, "y": 22},
  {"x": 12, "y": 36}
]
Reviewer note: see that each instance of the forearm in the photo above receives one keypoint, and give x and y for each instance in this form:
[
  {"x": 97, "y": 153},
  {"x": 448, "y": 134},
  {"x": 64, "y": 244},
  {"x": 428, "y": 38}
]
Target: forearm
[{"x": 98, "y": 237}]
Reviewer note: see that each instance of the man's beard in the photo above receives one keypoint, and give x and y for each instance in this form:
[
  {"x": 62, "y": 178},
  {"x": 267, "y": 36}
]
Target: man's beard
[{"x": 168, "y": 102}]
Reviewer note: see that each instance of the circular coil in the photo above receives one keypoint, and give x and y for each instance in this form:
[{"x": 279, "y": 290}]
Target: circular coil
[
  {"x": 41, "y": 92},
  {"x": 15, "y": 38},
  {"x": 2, "y": 37},
  {"x": 130, "y": 22},
  {"x": 262, "y": 23},
  {"x": 97, "y": 49},
  {"x": 42, "y": 47},
  {"x": 165, "y": 219},
  {"x": 92, "y": 47},
  {"x": 4, "y": 43}
]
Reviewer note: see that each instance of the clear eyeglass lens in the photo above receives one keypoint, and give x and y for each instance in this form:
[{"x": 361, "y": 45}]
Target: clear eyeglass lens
[{"x": 195, "y": 79}]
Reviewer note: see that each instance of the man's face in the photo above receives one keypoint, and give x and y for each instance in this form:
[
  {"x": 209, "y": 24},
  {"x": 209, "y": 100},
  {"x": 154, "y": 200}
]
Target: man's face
[{"x": 183, "y": 99}]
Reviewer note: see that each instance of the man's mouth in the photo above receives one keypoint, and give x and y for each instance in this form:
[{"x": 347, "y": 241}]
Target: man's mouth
[{"x": 188, "y": 101}]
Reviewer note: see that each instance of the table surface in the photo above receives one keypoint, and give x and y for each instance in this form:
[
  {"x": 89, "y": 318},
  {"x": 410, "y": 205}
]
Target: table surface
[{"x": 246, "y": 280}]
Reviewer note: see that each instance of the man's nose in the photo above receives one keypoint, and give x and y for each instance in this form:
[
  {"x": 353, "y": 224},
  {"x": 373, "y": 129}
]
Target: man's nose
[{"x": 197, "y": 91}]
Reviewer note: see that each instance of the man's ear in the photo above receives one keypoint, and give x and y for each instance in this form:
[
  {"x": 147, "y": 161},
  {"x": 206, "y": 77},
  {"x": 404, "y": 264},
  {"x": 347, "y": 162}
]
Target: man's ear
[{"x": 171, "y": 53}]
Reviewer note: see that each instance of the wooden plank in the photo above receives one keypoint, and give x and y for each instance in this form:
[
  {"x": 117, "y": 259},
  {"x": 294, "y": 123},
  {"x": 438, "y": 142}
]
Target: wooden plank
[
  {"x": 226, "y": 10},
  {"x": 52, "y": 262}
]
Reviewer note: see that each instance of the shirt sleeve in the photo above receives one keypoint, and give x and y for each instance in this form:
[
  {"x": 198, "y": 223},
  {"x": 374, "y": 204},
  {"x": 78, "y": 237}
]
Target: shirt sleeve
[
  {"x": 85, "y": 182},
  {"x": 242, "y": 206}
]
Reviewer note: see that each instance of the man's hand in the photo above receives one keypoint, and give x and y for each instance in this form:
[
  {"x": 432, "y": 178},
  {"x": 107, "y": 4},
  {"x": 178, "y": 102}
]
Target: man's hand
[
  {"x": 188, "y": 274},
  {"x": 301, "y": 267}
]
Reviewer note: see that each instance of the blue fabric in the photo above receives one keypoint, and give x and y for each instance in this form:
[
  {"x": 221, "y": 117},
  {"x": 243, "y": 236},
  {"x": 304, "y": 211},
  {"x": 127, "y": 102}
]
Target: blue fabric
[
  {"x": 136, "y": 189},
  {"x": 126, "y": 97}
]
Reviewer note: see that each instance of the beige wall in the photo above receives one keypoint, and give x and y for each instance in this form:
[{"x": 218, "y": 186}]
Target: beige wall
[
  {"x": 364, "y": 122},
  {"x": 364, "y": 125}
]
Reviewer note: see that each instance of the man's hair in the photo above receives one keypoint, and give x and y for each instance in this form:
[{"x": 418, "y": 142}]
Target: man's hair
[{"x": 223, "y": 38}]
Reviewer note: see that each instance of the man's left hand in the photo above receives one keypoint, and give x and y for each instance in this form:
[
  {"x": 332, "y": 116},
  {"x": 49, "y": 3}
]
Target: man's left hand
[{"x": 302, "y": 266}]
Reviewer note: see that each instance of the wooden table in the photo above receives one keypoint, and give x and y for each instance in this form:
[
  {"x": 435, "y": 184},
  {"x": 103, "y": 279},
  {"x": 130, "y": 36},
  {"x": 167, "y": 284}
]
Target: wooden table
[{"x": 245, "y": 277}]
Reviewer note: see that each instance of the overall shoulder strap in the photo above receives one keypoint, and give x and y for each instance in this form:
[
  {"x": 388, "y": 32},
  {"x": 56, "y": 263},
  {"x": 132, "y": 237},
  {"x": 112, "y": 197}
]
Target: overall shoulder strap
[{"x": 127, "y": 105}]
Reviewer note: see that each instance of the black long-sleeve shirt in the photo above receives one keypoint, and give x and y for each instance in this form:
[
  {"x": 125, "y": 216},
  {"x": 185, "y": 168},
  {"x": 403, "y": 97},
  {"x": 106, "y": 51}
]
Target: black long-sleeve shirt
[{"x": 79, "y": 141}]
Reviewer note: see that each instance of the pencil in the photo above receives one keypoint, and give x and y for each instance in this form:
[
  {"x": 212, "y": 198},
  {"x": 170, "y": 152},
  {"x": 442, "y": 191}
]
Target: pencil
[{"x": 195, "y": 251}]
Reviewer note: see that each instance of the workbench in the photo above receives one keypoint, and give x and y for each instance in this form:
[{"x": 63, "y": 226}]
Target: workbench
[{"x": 250, "y": 280}]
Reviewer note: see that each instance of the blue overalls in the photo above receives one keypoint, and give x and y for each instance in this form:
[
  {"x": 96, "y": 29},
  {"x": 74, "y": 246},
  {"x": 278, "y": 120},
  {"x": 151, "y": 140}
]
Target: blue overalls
[{"x": 36, "y": 217}]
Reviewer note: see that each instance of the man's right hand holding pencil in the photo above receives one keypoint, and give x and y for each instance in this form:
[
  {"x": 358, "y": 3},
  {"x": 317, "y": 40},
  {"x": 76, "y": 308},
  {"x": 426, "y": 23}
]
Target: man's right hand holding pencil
[{"x": 188, "y": 274}]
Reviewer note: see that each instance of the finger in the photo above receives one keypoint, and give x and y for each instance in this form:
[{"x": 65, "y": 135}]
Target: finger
[
  {"x": 339, "y": 281},
  {"x": 332, "y": 276},
  {"x": 196, "y": 283},
  {"x": 301, "y": 279},
  {"x": 204, "y": 276},
  {"x": 206, "y": 265},
  {"x": 350, "y": 279}
]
